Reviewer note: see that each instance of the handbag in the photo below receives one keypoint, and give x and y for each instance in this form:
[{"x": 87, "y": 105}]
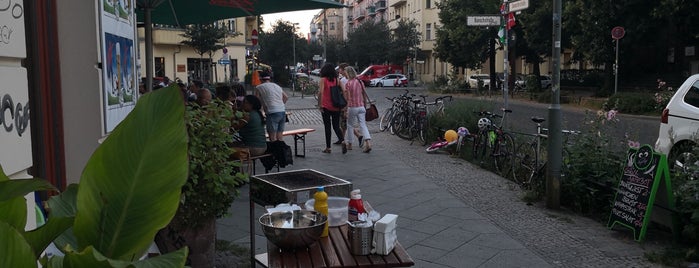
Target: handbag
[
  {"x": 371, "y": 112},
  {"x": 338, "y": 99}
]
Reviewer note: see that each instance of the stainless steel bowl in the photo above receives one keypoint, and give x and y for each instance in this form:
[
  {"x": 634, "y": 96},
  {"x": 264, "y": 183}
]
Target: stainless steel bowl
[{"x": 293, "y": 229}]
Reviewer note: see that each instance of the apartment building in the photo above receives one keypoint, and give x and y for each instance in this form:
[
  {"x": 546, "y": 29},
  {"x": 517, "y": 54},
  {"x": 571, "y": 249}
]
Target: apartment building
[
  {"x": 174, "y": 60},
  {"x": 425, "y": 66}
]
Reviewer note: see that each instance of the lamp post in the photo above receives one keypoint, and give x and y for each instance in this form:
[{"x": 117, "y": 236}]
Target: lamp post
[{"x": 293, "y": 73}]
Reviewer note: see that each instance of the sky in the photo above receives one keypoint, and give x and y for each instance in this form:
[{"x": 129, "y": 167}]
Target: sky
[{"x": 303, "y": 18}]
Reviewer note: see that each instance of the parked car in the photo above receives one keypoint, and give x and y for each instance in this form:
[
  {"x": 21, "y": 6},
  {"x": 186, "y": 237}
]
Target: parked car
[
  {"x": 473, "y": 80},
  {"x": 679, "y": 125},
  {"x": 521, "y": 82},
  {"x": 391, "y": 80},
  {"x": 315, "y": 72},
  {"x": 299, "y": 75},
  {"x": 376, "y": 71}
]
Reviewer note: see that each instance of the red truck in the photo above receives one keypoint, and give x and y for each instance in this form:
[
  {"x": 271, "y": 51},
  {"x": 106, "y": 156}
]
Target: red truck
[{"x": 376, "y": 71}]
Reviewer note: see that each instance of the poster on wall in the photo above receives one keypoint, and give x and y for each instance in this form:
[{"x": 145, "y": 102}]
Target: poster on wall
[
  {"x": 15, "y": 135},
  {"x": 12, "y": 42},
  {"x": 119, "y": 76}
]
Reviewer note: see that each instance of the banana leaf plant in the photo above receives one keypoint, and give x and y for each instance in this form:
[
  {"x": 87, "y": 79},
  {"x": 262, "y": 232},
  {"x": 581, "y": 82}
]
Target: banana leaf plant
[{"x": 129, "y": 189}]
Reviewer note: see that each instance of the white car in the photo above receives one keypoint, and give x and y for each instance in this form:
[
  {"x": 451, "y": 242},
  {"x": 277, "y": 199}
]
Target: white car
[
  {"x": 315, "y": 72},
  {"x": 679, "y": 125},
  {"x": 521, "y": 82},
  {"x": 473, "y": 80},
  {"x": 390, "y": 80}
]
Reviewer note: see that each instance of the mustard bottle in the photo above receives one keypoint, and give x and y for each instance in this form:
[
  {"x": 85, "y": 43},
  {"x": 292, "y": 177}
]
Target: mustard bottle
[{"x": 321, "y": 205}]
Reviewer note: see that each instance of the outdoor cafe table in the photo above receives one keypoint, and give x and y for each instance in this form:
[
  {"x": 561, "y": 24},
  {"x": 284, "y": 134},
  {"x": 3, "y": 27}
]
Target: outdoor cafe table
[{"x": 332, "y": 251}]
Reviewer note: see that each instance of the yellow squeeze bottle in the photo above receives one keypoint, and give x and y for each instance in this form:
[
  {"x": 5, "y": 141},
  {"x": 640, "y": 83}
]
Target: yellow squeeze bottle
[{"x": 321, "y": 205}]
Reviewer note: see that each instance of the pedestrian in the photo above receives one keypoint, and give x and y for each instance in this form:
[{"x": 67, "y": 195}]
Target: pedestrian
[
  {"x": 224, "y": 93},
  {"x": 343, "y": 120},
  {"x": 356, "y": 109},
  {"x": 251, "y": 129},
  {"x": 273, "y": 100},
  {"x": 331, "y": 114},
  {"x": 239, "y": 93}
]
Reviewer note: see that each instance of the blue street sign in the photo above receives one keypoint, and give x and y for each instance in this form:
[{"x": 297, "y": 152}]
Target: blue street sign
[{"x": 224, "y": 61}]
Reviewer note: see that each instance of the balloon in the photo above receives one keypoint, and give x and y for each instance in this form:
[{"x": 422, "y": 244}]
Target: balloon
[{"x": 450, "y": 135}]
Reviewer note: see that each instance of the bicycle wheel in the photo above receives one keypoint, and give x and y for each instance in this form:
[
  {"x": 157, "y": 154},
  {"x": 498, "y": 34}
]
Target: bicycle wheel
[
  {"x": 401, "y": 126},
  {"x": 421, "y": 130},
  {"x": 480, "y": 141},
  {"x": 385, "y": 120},
  {"x": 525, "y": 162},
  {"x": 503, "y": 155}
]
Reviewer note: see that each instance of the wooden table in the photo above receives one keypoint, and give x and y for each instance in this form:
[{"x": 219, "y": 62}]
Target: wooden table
[{"x": 332, "y": 251}]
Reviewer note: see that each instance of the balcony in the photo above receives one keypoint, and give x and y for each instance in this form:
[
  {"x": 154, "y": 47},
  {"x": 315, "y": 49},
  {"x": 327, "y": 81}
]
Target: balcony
[
  {"x": 399, "y": 3},
  {"x": 380, "y": 5},
  {"x": 371, "y": 10},
  {"x": 360, "y": 14}
]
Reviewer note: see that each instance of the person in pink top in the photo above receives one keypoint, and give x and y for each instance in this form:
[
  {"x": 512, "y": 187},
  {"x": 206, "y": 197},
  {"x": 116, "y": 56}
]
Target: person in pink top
[
  {"x": 331, "y": 114},
  {"x": 356, "y": 109}
]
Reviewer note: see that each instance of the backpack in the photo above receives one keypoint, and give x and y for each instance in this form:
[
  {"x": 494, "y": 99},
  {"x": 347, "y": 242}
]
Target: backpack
[
  {"x": 336, "y": 95},
  {"x": 281, "y": 152}
]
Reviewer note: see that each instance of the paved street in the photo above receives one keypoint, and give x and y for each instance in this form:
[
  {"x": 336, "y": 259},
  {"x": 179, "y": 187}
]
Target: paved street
[{"x": 451, "y": 213}]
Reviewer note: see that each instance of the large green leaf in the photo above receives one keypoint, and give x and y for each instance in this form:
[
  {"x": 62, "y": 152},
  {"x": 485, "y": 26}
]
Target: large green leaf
[
  {"x": 15, "y": 250},
  {"x": 21, "y": 187},
  {"x": 64, "y": 205},
  {"x": 14, "y": 212},
  {"x": 93, "y": 258},
  {"x": 131, "y": 185},
  {"x": 41, "y": 237},
  {"x": 172, "y": 259},
  {"x": 3, "y": 176}
]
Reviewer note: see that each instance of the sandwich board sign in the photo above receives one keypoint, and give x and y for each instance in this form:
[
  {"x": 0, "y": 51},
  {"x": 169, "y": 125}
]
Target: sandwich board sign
[{"x": 646, "y": 177}]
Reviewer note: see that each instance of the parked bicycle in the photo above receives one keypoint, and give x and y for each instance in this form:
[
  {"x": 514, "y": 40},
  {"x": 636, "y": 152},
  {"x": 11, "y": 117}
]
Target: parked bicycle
[
  {"x": 387, "y": 116},
  {"x": 532, "y": 160},
  {"x": 411, "y": 121},
  {"x": 492, "y": 143}
]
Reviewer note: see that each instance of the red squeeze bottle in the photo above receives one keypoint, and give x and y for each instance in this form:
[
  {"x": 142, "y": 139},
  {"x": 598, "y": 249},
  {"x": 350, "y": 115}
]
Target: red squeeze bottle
[{"x": 355, "y": 206}]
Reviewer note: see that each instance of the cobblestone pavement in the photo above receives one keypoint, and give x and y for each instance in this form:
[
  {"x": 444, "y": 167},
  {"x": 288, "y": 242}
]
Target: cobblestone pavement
[{"x": 562, "y": 238}]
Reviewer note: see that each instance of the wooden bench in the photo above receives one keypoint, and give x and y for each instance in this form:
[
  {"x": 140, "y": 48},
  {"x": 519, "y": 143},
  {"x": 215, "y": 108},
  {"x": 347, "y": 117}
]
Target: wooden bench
[{"x": 299, "y": 135}]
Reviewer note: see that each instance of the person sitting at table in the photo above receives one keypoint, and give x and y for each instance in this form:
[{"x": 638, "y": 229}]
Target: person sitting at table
[{"x": 251, "y": 128}]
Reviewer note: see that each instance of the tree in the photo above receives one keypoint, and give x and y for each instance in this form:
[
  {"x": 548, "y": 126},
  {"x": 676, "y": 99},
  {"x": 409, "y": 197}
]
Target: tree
[
  {"x": 461, "y": 45},
  {"x": 404, "y": 41},
  {"x": 369, "y": 43},
  {"x": 203, "y": 38},
  {"x": 276, "y": 49}
]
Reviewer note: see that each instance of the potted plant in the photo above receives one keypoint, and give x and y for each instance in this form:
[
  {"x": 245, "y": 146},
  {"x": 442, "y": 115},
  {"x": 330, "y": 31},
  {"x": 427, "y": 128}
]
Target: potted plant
[
  {"x": 211, "y": 186},
  {"x": 129, "y": 190}
]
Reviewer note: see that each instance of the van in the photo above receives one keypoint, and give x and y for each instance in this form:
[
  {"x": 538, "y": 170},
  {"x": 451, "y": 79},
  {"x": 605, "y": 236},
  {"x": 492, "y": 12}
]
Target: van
[
  {"x": 679, "y": 125},
  {"x": 376, "y": 71}
]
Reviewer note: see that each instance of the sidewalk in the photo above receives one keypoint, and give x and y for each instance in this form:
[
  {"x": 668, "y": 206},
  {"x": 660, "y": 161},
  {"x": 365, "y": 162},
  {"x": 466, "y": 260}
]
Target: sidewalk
[{"x": 451, "y": 213}]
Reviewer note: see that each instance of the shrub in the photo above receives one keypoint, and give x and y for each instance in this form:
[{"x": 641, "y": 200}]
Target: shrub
[
  {"x": 633, "y": 102},
  {"x": 594, "y": 166},
  {"x": 686, "y": 191},
  {"x": 460, "y": 113}
]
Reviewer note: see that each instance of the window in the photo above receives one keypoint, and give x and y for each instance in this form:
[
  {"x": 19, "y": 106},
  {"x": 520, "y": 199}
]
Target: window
[
  {"x": 692, "y": 97},
  {"x": 428, "y": 31},
  {"x": 231, "y": 26},
  {"x": 332, "y": 26},
  {"x": 159, "y": 66},
  {"x": 428, "y": 4}
]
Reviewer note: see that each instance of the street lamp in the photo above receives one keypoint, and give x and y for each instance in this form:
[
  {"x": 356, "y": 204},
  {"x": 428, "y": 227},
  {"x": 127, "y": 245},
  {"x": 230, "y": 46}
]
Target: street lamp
[{"x": 293, "y": 73}]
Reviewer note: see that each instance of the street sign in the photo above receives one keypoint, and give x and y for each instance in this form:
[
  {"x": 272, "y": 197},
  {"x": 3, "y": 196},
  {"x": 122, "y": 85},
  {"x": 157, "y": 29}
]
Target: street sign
[
  {"x": 518, "y": 5},
  {"x": 253, "y": 37},
  {"x": 618, "y": 33},
  {"x": 484, "y": 20},
  {"x": 224, "y": 61}
]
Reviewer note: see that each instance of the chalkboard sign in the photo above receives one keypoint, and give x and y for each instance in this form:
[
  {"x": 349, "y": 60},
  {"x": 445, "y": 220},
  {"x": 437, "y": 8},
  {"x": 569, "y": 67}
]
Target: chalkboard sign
[{"x": 644, "y": 172}]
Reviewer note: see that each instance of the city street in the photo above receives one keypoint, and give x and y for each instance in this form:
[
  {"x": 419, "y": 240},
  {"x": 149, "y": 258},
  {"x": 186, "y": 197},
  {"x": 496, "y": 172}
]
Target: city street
[{"x": 451, "y": 213}]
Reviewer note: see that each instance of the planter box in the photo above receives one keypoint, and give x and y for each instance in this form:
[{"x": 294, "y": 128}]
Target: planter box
[{"x": 296, "y": 186}]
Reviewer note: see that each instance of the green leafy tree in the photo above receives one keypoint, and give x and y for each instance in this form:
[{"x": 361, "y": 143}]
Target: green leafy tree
[
  {"x": 276, "y": 49},
  {"x": 461, "y": 45},
  {"x": 404, "y": 41},
  {"x": 204, "y": 38},
  {"x": 368, "y": 43}
]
